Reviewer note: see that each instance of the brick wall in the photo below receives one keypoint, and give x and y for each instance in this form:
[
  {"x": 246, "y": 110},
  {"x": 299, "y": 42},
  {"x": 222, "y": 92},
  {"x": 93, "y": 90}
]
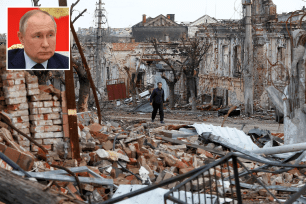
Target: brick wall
[
  {"x": 35, "y": 109},
  {"x": 124, "y": 46}
]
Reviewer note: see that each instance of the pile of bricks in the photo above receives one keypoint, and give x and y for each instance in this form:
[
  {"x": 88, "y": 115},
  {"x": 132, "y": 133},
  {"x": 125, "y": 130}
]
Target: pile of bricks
[
  {"x": 23, "y": 159},
  {"x": 135, "y": 150},
  {"x": 46, "y": 123}
]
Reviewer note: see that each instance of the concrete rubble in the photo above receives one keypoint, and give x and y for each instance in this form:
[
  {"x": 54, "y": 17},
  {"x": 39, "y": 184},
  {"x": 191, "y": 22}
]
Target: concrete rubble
[
  {"x": 143, "y": 154},
  {"x": 120, "y": 157}
]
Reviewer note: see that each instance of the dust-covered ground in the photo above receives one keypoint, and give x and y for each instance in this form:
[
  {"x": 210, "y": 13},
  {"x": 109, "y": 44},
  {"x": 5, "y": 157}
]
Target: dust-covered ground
[{"x": 260, "y": 120}]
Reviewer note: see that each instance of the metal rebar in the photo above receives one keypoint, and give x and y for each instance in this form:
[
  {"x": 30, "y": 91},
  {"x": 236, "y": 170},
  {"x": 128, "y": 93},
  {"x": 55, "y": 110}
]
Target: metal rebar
[{"x": 235, "y": 167}]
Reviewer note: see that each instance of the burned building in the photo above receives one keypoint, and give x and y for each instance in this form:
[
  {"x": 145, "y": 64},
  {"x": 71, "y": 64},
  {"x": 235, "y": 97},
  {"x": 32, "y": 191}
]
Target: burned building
[
  {"x": 162, "y": 28},
  {"x": 222, "y": 70},
  {"x": 221, "y": 74}
]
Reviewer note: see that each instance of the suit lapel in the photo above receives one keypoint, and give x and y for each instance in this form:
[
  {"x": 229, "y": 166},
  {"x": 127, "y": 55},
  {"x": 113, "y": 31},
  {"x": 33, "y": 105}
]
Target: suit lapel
[
  {"x": 18, "y": 61},
  {"x": 52, "y": 63}
]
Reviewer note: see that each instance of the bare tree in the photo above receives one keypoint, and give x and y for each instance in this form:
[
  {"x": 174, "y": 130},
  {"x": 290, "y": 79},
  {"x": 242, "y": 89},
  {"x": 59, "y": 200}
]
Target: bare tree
[
  {"x": 176, "y": 67},
  {"x": 194, "y": 50},
  {"x": 84, "y": 90},
  {"x": 191, "y": 52}
]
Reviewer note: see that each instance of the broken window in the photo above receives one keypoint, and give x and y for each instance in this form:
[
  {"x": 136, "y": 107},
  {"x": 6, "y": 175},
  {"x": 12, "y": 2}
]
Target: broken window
[
  {"x": 237, "y": 61},
  {"x": 208, "y": 62},
  {"x": 281, "y": 69},
  {"x": 225, "y": 60},
  {"x": 108, "y": 73}
]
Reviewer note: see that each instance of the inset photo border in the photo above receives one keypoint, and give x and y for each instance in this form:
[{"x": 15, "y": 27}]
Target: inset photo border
[{"x": 38, "y": 38}]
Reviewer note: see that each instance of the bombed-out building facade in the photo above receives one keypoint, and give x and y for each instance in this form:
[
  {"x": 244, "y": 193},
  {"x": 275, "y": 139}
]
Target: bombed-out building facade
[{"x": 220, "y": 75}]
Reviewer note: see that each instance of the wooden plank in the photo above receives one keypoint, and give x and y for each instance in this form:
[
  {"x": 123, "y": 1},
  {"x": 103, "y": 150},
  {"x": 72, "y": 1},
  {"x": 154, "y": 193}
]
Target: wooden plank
[
  {"x": 15, "y": 189},
  {"x": 188, "y": 144}
]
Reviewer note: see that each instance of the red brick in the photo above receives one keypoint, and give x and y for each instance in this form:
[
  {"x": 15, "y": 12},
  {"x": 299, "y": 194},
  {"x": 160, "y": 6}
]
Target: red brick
[
  {"x": 95, "y": 127},
  {"x": 9, "y": 82},
  {"x": 31, "y": 78},
  {"x": 53, "y": 128},
  {"x": 41, "y": 154},
  {"x": 25, "y": 162},
  {"x": 185, "y": 170},
  {"x": 2, "y": 147},
  {"x": 14, "y": 88},
  {"x": 130, "y": 178},
  {"x": 128, "y": 152},
  {"x": 12, "y": 154},
  {"x": 34, "y": 148},
  {"x": 206, "y": 153},
  {"x": 124, "y": 46},
  {"x": 113, "y": 173},
  {"x": 169, "y": 162},
  {"x": 13, "y": 75},
  {"x": 74, "y": 191},
  {"x": 181, "y": 165},
  {"x": 100, "y": 136},
  {"x": 81, "y": 126},
  {"x": 133, "y": 161}
]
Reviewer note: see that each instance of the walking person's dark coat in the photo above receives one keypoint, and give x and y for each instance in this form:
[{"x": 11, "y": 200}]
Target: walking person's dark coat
[{"x": 157, "y": 99}]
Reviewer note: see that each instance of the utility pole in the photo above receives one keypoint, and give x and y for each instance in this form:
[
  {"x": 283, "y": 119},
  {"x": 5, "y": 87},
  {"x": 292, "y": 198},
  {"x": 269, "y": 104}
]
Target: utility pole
[
  {"x": 101, "y": 21},
  {"x": 248, "y": 68}
]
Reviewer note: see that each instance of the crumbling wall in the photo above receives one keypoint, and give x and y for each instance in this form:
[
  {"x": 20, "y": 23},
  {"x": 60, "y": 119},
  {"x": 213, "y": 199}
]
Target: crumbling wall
[
  {"x": 224, "y": 60},
  {"x": 141, "y": 34},
  {"x": 35, "y": 110}
]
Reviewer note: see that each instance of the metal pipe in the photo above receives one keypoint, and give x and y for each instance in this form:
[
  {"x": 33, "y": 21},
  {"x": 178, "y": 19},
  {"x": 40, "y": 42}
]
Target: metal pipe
[
  {"x": 280, "y": 149},
  {"x": 13, "y": 164},
  {"x": 237, "y": 183},
  {"x": 295, "y": 196}
]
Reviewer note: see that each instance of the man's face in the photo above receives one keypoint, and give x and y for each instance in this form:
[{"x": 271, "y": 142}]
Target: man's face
[
  {"x": 160, "y": 85},
  {"x": 39, "y": 38}
]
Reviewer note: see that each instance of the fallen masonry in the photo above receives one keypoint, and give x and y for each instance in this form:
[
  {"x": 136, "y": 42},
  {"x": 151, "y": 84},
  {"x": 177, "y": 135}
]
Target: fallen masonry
[{"x": 132, "y": 153}]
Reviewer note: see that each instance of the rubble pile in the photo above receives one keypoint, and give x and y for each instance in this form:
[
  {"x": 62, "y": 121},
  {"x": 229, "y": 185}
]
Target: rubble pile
[
  {"x": 135, "y": 153},
  {"x": 141, "y": 153}
]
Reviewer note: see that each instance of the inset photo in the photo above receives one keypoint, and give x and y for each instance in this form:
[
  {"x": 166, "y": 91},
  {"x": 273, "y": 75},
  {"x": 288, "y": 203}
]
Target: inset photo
[{"x": 38, "y": 38}]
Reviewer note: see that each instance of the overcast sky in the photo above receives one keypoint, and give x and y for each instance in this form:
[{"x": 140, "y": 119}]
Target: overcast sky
[{"x": 126, "y": 13}]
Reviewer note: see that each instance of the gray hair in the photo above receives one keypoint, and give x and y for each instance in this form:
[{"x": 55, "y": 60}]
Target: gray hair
[{"x": 24, "y": 19}]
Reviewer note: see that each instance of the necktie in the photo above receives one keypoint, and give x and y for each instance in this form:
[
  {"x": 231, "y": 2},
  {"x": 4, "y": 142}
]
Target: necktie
[{"x": 38, "y": 66}]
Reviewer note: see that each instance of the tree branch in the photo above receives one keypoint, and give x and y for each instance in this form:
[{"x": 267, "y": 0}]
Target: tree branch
[
  {"x": 72, "y": 6},
  {"x": 81, "y": 14},
  {"x": 176, "y": 76}
]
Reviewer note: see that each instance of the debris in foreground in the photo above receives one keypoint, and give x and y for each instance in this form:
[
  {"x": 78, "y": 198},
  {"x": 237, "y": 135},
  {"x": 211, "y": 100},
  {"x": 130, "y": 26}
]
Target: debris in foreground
[{"x": 196, "y": 159}]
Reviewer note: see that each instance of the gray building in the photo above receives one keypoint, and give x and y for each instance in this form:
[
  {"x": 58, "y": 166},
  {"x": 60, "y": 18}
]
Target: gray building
[{"x": 162, "y": 28}]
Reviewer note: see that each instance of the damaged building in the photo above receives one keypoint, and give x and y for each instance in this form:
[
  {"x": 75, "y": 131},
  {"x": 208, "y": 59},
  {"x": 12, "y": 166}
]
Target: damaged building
[
  {"x": 50, "y": 152},
  {"x": 220, "y": 76}
]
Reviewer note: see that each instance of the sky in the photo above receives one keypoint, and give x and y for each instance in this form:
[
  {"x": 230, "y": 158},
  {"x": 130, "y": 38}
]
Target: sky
[{"x": 126, "y": 13}]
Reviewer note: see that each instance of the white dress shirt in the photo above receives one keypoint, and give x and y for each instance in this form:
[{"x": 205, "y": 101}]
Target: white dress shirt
[{"x": 30, "y": 63}]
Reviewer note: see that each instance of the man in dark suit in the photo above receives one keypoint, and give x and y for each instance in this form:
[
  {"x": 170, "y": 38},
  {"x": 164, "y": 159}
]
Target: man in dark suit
[
  {"x": 37, "y": 33},
  {"x": 157, "y": 100}
]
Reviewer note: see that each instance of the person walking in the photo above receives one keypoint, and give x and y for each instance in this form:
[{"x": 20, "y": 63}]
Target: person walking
[{"x": 157, "y": 100}]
